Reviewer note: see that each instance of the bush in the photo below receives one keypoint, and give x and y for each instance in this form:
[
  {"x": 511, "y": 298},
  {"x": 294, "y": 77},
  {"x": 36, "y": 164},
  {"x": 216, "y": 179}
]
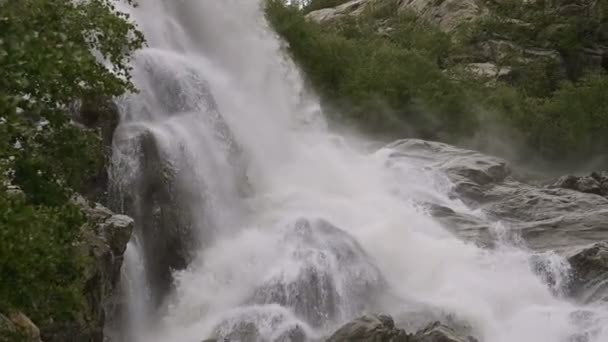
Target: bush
[
  {"x": 52, "y": 53},
  {"x": 388, "y": 72},
  {"x": 383, "y": 75}
]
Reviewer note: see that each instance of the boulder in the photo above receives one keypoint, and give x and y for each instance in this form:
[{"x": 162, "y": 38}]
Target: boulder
[
  {"x": 371, "y": 328},
  {"x": 546, "y": 217},
  {"x": 353, "y": 7},
  {"x": 596, "y": 183},
  {"x": 330, "y": 277},
  {"x": 18, "y": 327},
  {"x": 448, "y": 14},
  {"x": 437, "y": 332},
  {"x": 381, "y": 328},
  {"x": 589, "y": 281},
  {"x": 97, "y": 113},
  {"x": 268, "y": 323},
  {"x": 102, "y": 245}
]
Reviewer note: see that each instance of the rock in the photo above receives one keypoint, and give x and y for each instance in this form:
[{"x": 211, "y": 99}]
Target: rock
[
  {"x": 376, "y": 328},
  {"x": 545, "y": 217},
  {"x": 596, "y": 183},
  {"x": 353, "y": 7},
  {"x": 489, "y": 70},
  {"x": 18, "y": 327},
  {"x": 97, "y": 113},
  {"x": 381, "y": 328},
  {"x": 102, "y": 245},
  {"x": 268, "y": 323},
  {"x": 589, "y": 281},
  {"x": 315, "y": 285},
  {"x": 437, "y": 332},
  {"x": 447, "y": 14}
]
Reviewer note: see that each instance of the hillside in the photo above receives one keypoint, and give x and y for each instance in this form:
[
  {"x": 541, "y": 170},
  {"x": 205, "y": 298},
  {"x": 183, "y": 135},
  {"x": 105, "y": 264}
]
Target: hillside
[{"x": 508, "y": 77}]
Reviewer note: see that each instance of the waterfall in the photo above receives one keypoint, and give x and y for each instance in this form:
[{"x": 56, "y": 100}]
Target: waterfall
[{"x": 255, "y": 222}]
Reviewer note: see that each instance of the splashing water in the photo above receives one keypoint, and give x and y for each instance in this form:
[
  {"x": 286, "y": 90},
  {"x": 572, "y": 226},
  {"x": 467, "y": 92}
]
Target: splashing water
[{"x": 254, "y": 220}]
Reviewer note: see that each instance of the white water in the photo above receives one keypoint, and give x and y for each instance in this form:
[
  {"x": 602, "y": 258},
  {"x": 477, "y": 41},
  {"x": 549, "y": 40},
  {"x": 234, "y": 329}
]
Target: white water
[{"x": 222, "y": 51}]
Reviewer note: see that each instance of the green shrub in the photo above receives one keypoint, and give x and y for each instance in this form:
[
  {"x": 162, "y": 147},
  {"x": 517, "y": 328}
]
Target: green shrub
[
  {"x": 52, "y": 52},
  {"x": 389, "y": 72},
  {"x": 383, "y": 75}
]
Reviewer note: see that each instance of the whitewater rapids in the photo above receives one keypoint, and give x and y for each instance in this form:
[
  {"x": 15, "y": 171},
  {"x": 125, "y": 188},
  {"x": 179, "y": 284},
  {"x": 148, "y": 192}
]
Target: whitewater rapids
[{"x": 283, "y": 224}]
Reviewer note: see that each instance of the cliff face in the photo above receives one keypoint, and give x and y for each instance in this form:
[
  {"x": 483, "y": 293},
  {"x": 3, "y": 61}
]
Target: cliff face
[{"x": 102, "y": 246}]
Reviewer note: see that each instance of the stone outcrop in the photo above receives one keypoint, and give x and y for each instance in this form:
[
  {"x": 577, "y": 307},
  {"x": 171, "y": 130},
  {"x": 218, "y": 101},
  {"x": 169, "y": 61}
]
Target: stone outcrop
[
  {"x": 596, "y": 183},
  {"x": 317, "y": 285},
  {"x": 18, "y": 327},
  {"x": 353, "y": 7},
  {"x": 448, "y": 14},
  {"x": 370, "y": 329},
  {"x": 589, "y": 281},
  {"x": 102, "y": 114},
  {"x": 102, "y": 246},
  {"x": 381, "y": 328},
  {"x": 546, "y": 217}
]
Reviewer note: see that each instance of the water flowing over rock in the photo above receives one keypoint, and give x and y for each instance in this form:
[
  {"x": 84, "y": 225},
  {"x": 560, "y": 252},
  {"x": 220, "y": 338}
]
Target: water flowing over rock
[
  {"x": 545, "y": 217},
  {"x": 154, "y": 172},
  {"x": 589, "y": 282},
  {"x": 331, "y": 278},
  {"x": 264, "y": 323},
  {"x": 327, "y": 229}
]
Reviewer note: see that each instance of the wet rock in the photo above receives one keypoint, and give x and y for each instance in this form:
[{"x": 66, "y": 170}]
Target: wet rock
[
  {"x": 18, "y": 327},
  {"x": 267, "y": 323},
  {"x": 545, "y": 217},
  {"x": 381, "y": 328},
  {"x": 330, "y": 278},
  {"x": 102, "y": 245},
  {"x": 438, "y": 332},
  {"x": 373, "y": 328},
  {"x": 589, "y": 281},
  {"x": 596, "y": 183},
  {"x": 100, "y": 113}
]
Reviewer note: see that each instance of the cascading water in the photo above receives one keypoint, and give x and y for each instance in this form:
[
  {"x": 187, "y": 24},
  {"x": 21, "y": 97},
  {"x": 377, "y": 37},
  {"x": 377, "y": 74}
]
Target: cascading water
[{"x": 254, "y": 222}]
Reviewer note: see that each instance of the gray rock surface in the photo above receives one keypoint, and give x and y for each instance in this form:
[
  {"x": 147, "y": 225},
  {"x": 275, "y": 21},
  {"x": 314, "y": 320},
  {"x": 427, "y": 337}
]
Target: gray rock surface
[
  {"x": 589, "y": 281},
  {"x": 18, "y": 327},
  {"x": 327, "y": 266},
  {"x": 447, "y": 14},
  {"x": 545, "y": 217},
  {"x": 381, "y": 328},
  {"x": 372, "y": 328},
  {"x": 102, "y": 245},
  {"x": 353, "y": 7}
]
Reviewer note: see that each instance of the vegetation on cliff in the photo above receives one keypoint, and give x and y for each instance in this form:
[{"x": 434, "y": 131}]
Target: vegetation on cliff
[
  {"x": 390, "y": 72},
  {"x": 52, "y": 54}
]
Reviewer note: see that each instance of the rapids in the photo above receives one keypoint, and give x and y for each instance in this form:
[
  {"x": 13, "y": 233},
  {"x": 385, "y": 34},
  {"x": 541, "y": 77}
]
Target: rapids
[{"x": 254, "y": 221}]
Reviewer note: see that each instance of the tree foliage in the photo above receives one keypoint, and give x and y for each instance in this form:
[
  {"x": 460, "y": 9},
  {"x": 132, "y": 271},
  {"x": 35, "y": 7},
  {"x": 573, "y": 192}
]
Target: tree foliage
[{"x": 52, "y": 53}]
